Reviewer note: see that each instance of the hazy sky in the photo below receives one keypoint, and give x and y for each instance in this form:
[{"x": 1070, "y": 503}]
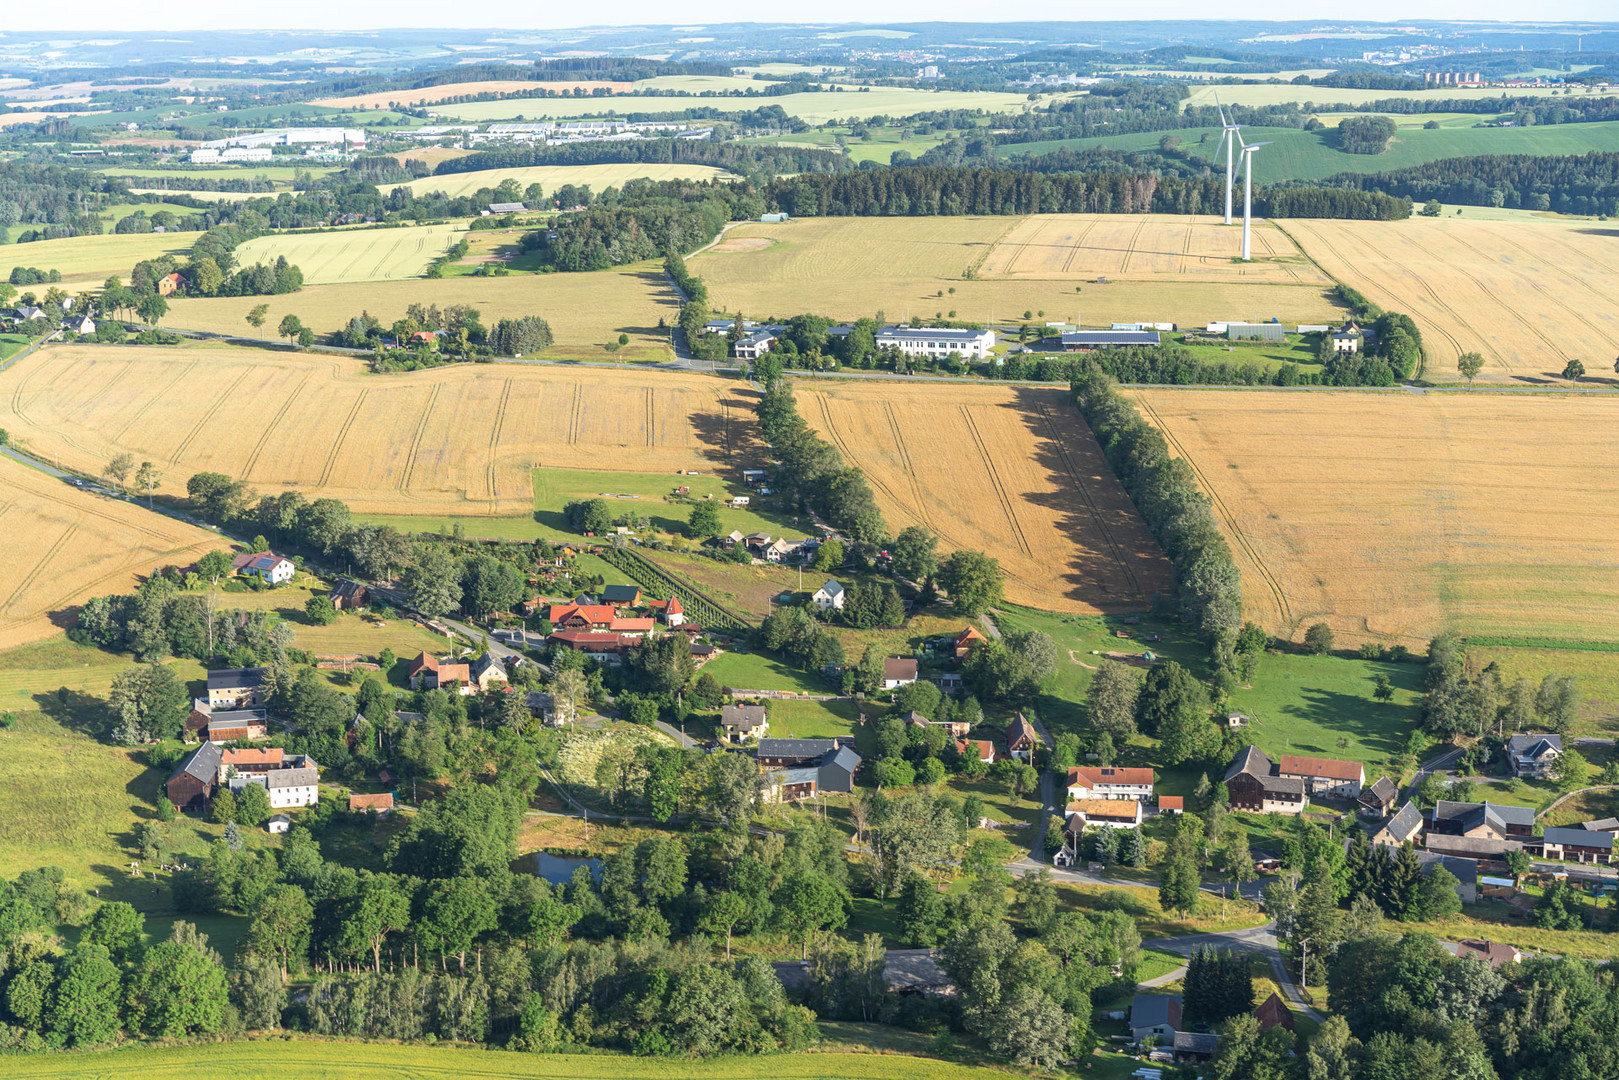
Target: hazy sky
[{"x": 99, "y": 16}]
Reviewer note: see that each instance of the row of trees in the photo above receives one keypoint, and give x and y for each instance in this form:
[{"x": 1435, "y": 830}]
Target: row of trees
[
  {"x": 1466, "y": 698},
  {"x": 1569, "y": 184}
]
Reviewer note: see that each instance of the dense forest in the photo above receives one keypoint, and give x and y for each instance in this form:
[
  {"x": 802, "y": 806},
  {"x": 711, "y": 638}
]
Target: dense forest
[
  {"x": 1569, "y": 184},
  {"x": 744, "y": 158}
]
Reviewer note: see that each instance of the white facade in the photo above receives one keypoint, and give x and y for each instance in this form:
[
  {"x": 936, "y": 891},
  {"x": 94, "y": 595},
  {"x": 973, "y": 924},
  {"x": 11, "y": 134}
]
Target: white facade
[
  {"x": 293, "y": 787},
  {"x": 828, "y": 597},
  {"x": 922, "y": 341}
]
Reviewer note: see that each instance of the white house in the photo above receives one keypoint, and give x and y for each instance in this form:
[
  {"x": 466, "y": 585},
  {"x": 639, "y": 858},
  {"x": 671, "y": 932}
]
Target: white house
[
  {"x": 1346, "y": 340},
  {"x": 293, "y": 787},
  {"x": 898, "y": 672},
  {"x": 83, "y": 327},
  {"x": 278, "y": 823},
  {"x": 828, "y": 596},
  {"x": 267, "y": 566},
  {"x": 1106, "y": 782},
  {"x": 926, "y": 341}
]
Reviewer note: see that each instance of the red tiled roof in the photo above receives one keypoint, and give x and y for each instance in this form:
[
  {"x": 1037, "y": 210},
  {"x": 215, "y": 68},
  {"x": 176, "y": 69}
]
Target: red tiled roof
[
  {"x": 578, "y": 638},
  {"x": 1292, "y": 765},
  {"x": 239, "y": 758},
  {"x": 967, "y": 635},
  {"x": 1092, "y": 775},
  {"x": 423, "y": 662},
  {"x": 632, "y": 625},
  {"x": 592, "y": 613},
  {"x": 1171, "y": 802},
  {"x": 384, "y": 801}
]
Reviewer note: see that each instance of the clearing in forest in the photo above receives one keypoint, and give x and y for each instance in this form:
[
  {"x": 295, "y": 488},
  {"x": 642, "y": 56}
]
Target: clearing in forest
[
  {"x": 459, "y": 439},
  {"x": 65, "y": 544},
  {"x": 1393, "y": 517},
  {"x": 1012, "y": 471},
  {"x": 1528, "y": 295}
]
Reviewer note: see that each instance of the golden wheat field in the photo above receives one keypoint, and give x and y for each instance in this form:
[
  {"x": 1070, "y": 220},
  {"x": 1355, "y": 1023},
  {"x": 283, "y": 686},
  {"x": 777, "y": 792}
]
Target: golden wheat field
[
  {"x": 1000, "y": 267},
  {"x": 453, "y": 440},
  {"x": 586, "y": 311},
  {"x": 1012, "y": 471},
  {"x": 339, "y": 256},
  {"x": 1393, "y": 516},
  {"x": 1527, "y": 295},
  {"x": 64, "y": 544}
]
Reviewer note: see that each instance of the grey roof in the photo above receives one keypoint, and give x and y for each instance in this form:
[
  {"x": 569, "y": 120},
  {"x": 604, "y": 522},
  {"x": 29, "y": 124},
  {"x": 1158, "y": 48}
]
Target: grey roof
[
  {"x": 203, "y": 764},
  {"x": 1470, "y": 815},
  {"x": 231, "y": 678},
  {"x": 280, "y": 817},
  {"x": 1404, "y": 825},
  {"x": 803, "y": 749},
  {"x": 913, "y": 969},
  {"x": 235, "y": 717},
  {"x": 1251, "y": 760},
  {"x": 538, "y": 701},
  {"x": 620, "y": 594},
  {"x": 281, "y": 778},
  {"x": 1466, "y": 870},
  {"x": 742, "y": 716},
  {"x": 1382, "y": 790},
  {"x": 804, "y": 774},
  {"x": 1533, "y": 745},
  {"x": 1110, "y": 337},
  {"x": 1606, "y": 824},
  {"x": 842, "y": 758},
  {"x": 1196, "y": 1042},
  {"x": 1153, "y": 1010},
  {"x": 831, "y": 588},
  {"x": 1471, "y": 845},
  {"x": 1577, "y": 837},
  {"x": 928, "y": 333},
  {"x": 486, "y": 663}
]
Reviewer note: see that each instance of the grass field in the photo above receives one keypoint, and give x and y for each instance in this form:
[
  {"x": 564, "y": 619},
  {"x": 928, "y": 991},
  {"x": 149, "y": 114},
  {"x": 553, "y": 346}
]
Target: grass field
[
  {"x": 586, "y": 311},
  {"x": 816, "y": 108},
  {"x": 812, "y": 719},
  {"x": 1276, "y": 94},
  {"x": 1295, "y": 154},
  {"x": 340, "y": 256},
  {"x": 1597, "y": 672},
  {"x": 650, "y": 495},
  {"x": 1528, "y": 296},
  {"x": 744, "y": 587},
  {"x": 1391, "y": 516},
  {"x": 32, "y": 676},
  {"x": 759, "y": 671},
  {"x": 66, "y": 544},
  {"x": 206, "y": 196},
  {"x": 87, "y": 261},
  {"x": 1012, "y": 471},
  {"x": 849, "y": 267},
  {"x": 551, "y": 177},
  {"x": 457, "y": 439},
  {"x": 274, "y": 1059},
  {"x": 282, "y": 173},
  {"x": 428, "y": 95}
]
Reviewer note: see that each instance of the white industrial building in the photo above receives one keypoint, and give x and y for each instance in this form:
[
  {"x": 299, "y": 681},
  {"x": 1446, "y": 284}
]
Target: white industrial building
[{"x": 937, "y": 343}]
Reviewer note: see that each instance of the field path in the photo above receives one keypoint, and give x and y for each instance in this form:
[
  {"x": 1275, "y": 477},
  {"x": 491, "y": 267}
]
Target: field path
[
  {"x": 995, "y": 478},
  {"x": 494, "y": 442}
]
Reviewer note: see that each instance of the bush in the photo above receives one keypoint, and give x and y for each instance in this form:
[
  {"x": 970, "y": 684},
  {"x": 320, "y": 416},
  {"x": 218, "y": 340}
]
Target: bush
[{"x": 1318, "y": 639}]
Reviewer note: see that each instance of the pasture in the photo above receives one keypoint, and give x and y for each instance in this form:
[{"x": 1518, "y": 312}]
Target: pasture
[
  {"x": 1012, "y": 471},
  {"x": 274, "y": 1059},
  {"x": 551, "y": 177},
  {"x": 650, "y": 496},
  {"x": 815, "y": 108},
  {"x": 1392, "y": 517},
  {"x": 67, "y": 544},
  {"x": 586, "y": 311},
  {"x": 429, "y": 95},
  {"x": 1528, "y": 295},
  {"x": 342, "y": 256},
  {"x": 460, "y": 439},
  {"x": 852, "y": 267},
  {"x": 87, "y": 261}
]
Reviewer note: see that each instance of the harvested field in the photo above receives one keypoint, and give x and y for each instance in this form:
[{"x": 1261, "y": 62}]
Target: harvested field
[
  {"x": 1393, "y": 517},
  {"x": 428, "y": 95},
  {"x": 340, "y": 256},
  {"x": 1528, "y": 295},
  {"x": 849, "y": 267},
  {"x": 67, "y": 544},
  {"x": 454, "y": 440},
  {"x": 87, "y": 261},
  {"x": 1013, "y": 471},
  {"x": 1145, "y": 247},
  {"x": 551, "y": 177},
  {"x": 585, "y": 310}
]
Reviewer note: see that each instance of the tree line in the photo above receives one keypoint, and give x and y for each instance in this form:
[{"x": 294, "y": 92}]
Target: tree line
[
  {"x": 1569, "y": 184},
  {"x": 746, "y": 159}
]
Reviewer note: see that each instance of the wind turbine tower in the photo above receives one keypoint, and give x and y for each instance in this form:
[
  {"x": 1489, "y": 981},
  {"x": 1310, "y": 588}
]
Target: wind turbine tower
[
  {"x": 1248, "y": 197},
  {"x": 1229, "y": 136}
]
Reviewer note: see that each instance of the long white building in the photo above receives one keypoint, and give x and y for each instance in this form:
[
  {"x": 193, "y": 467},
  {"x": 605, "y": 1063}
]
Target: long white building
[{"x": 937, "y": 343}]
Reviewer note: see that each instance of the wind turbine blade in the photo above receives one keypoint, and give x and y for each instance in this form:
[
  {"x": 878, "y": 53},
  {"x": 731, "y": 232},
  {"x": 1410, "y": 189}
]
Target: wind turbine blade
[
  {"x": 1256, "y": 145},
  {"x": 1223, "y": 136}
]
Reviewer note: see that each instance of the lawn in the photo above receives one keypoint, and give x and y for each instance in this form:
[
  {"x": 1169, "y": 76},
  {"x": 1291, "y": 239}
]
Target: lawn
[
  {"x": 651, "y": 495},
  {"x": 11, "y": 344},
  {"x": 812, "y": 719},
  {"x": 32, "y": 676},
  {"x": 275, "y": 1059},
  {"x": 760, "y": 671},
  {"x": 1154, "y": 922}
]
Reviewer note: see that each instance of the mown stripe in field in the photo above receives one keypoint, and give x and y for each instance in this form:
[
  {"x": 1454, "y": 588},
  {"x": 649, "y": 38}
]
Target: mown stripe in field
[
  {"x": 575, "y": 414},
  {"x": 651, "y": 420},
  {"x": 1097, "y": 517}
]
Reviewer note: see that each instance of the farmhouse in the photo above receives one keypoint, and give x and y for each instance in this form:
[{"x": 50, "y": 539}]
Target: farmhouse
[
  {"x": 1346, "y": 340},
  {"x": 1491, "y": 952},
  {"x": 1252, "y": 784},
  {"x": 1105, "y": 813},
  {"x": 246, "y": 762},
  {"x": 167, "y": 284},
  {"x": 968, "y": 344},
  {"x": 1091, "y": 340},
  {"x": 1273, "y": 1012},
  {"x": 1324, "y": 776},
  {"x": 234, "y": 688},
  {"x": 633, "y": 628},
  {"x": 1157, "y": 1015},
  {"x": 1481, "y": 821},
  {"x": 1462, "y": 868},
  {"x": 831, "y": 771},
  {"x": 193, "y": 781},
  {"x": 1108, "y": 782},
  {"x": 607, "y": 648},
  {"x": 1481, "y": 848},
  {"x": 232, "y": 725},
  {"x": 961, "y": 646},
  {"x": 1377, "y": 800},
  {"x": 349, "y": 595},
  {"x": 828, "y": 597},
  {"x": 1021, "y": 738},
  {"x": 1534, "y": 755},
  {"x": 267, "y": 566},
  {"x": 1574, "y": 845},
  {"x": 428, "y": 672},
  {"x": 898, "y": 672},
  {"x": 983, "y": 748},
  {"x": 1402, "y": 827},
  {"x": 382, "y": 805},
  {"x": 486, "y": 671},
  {"x": 743, "y": 722},
  {"x": 622, "y": 596},
  {"x": 581, "y": 616},
  {"x": 293, "y": 787}
]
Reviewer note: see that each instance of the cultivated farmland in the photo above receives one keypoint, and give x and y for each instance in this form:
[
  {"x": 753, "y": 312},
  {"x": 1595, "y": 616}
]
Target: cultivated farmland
[
  {"x": 551, "y": 177},
  {"x": 585, "y": 311},
  {"x": 1529, "y": 295},
  {"x": 1275, "y": 94},
  {"x": 340, "y": 256},
  {"x": 87, "y": 261},
  {"x": 1392, "y": 517},
  {"x": 454, "y": 440},
  {"x": 1012, "y": 471},
  {"x": 849, "y": 267},
  {"x": 68, "y": 544}
]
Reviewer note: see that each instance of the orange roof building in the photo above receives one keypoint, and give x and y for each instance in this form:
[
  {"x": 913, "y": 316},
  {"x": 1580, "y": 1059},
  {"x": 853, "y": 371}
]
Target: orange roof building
[
  {"x": 581, "y": 616},
  {"x": 1107, "y": 782},
  {"x": 252, "y": 760},
  {"x": 382, "y": 803}
]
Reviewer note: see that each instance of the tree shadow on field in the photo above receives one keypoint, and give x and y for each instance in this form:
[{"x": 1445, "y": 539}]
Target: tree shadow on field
[
  {"x": 1124, "y": 570},
  {"x": 76, "y": 711},
  {"x": 728, "y": 433},
  {"x": 1379, "y": 726},
  {"x": 659, "y": 287}
]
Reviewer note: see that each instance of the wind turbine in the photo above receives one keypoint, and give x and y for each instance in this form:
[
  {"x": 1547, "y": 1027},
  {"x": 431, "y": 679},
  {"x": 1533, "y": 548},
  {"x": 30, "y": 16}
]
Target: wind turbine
[
  {"x": 1228, "y": 136},
  {"x": 1248, "y": 195}
]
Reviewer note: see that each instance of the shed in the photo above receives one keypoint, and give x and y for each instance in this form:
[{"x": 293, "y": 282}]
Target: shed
[
  {"x": 278, "y": 823},
  {"x": 1255, "y": 332}
]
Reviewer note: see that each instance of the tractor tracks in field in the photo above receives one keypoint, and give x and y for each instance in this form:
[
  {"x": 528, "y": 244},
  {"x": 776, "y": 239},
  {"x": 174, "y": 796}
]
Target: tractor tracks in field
[
  {"x": 909, "y": 466},
  {"x": 183, "y": 374},
  {"x": 39, "y": 567},
  {"x": 337, "y": 443},
  {"x": 995, "y": 479},
  {"x": 208, "y": 414},
  {"x": 281, "y": 413},
  {"x": 1130, "y": 249},
  {"x": 575, "y": 414},
  {"x": 494, "y": 440},
  {"x": 1114, "y": 547},
  {"x": 651, "y": 420},
  {"x": 416, "y": 440},
  {"x": 1278, "y": 597}
]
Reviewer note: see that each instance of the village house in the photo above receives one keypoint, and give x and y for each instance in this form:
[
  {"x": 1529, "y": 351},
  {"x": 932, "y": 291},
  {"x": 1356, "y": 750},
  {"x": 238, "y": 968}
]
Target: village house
[
  {"x": 622, "y": 596},
  {"x": 636, "y": 628},
  {"x": 349, "y": 595},
  {"x": 1252, "y": 784},
  {"x": 1402, "y": 827},
  {"x": 1573, "y": 845},
  {"x": 278, "y": 825},
  {"x": 1171, "y": 804},
  {"x": 828, "y": 597},
  {"x": 982, "y": 749},
  {"x": 267, "y": 566},
  {"x": 1108, "y": 782},
  {"x": 234, "y": 688},
  {"x": 1491, "y": 952},
  {"x": 961, "y": 646},
  {"x": 244, "y": 762},
  {"x": 1155, "y": 1015},
  {"x": 832, "y": 772},
  {"x": 1377, "y": 800},
  {"x": 1462, "y": 868},
  {"x": 671, "y": 610},
  {"x": 1324, "y": 776},
  {"x": 740, "y": 723},
  {"x": 428, "y": 672},
  {"x": 780, "y": 753},
  {"x": 192, "y": 784},
  {"x": 1481, "y": 821},
  {"x": 487, "y": 671},
  {"x": 1103, "y": 813},
  {"x": 1534, "y": 755},
  {"x": 382, "y": 805},
  {"x": 168, "y": 283},
  {"x": 293, "y": 787},
  {"x": 608, "y": 648},
  {"x": 1021, "y": 739},
  {"x": 578, "y": 617},
  {"x": 1347, "y": 339},
  {"x": 1273, "y": 1012},
  {"x": 956, "y": 729},
  {"x": 898, "y": 672}
]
